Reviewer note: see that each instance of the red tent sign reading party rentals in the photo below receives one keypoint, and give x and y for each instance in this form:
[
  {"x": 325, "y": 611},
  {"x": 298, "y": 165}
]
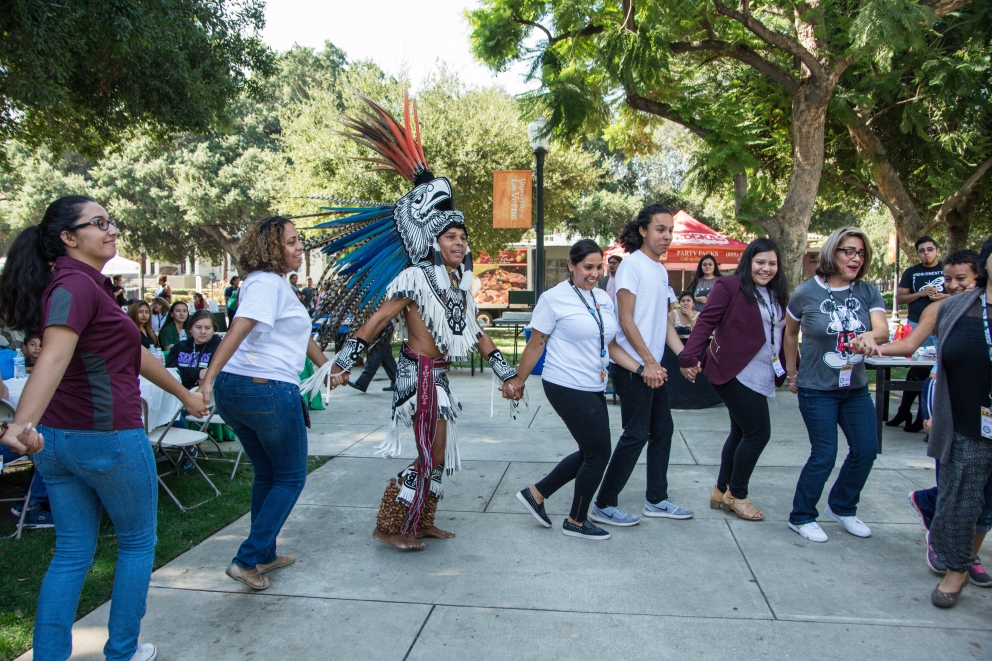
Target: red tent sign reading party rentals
[{"x": 691, "y": 240}]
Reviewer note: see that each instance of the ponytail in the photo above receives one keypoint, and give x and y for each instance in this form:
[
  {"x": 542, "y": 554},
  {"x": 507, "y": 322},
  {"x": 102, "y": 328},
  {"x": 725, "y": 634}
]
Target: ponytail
[
  {"x": 630, "y": 235},
  {"x": 30, "y": 260}
]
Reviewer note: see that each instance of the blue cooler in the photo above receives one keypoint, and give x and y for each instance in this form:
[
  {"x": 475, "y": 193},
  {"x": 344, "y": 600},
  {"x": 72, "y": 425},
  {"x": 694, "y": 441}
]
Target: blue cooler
[
  {"x": 539, "y": 367},
  {"x": 7, "y": 363}
]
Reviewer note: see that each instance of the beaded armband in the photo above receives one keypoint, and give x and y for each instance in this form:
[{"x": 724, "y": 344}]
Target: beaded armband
[
  {"x": 501, "y": 368},
  {"x": 352, "y": 350}
]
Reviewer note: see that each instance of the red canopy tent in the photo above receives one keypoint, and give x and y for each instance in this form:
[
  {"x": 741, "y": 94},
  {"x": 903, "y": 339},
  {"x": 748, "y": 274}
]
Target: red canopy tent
[{"x": 692, "y": 239}]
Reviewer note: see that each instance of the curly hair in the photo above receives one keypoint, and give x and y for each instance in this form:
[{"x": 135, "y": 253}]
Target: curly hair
[
  {"x": 261, "y": 248},
  {"x": 630, "y": 235}
]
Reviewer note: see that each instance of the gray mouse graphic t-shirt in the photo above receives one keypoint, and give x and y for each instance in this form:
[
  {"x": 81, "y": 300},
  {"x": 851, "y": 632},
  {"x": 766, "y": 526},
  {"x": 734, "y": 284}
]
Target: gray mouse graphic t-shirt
[{"x": 828, "y": 318}]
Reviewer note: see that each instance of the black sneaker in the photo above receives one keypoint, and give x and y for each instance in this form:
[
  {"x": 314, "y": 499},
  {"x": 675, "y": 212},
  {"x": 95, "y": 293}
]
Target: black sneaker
[
  {"x": 37, "y": 518},
  {"x": 933, "y": 562},
  {"x": 586, "y": 531},
  {"x": 525, "y": 497},
  {"x": 978, "y": 575}
]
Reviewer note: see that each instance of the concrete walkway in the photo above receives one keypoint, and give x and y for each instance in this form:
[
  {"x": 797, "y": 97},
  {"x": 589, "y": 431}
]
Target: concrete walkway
[{"x": 714, "y": 587}]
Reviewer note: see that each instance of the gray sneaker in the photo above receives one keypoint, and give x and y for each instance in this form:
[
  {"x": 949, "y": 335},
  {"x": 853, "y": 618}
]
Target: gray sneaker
[
  {"x": 613, "y": 516},
  {"x": 666, "y": 509},
  {"x": 933, "y": 562}
]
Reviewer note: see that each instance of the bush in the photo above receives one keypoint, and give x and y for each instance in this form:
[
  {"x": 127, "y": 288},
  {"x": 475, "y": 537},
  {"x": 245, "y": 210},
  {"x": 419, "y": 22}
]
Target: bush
[{"x": 887, "y": 297}]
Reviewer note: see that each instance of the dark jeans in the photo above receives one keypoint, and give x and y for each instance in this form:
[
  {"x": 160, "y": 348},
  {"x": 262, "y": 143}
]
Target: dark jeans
[
  {"x": 587, "y": 418},
  {"x": 822, "y": 411},
  {"x": 384, "y": 357},
  {"x": 268, "y": 420},
  {"x": 750, "y": 429},
  {"x": 908, "y": 397},
  {"x": 959, "y": 501},
  {"x": 647, "y": 419}
]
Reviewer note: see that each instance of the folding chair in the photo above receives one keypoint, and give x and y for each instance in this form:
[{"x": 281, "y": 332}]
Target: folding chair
[
  {"x": 7, "y": 415},
  {"x": 213, "y": 418},
  {"x": 166, "y": 438}
]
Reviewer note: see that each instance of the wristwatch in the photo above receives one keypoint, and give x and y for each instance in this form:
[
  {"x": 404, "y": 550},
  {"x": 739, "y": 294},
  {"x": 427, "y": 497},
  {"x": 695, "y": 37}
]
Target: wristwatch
[{"x": 640, "y": 370}]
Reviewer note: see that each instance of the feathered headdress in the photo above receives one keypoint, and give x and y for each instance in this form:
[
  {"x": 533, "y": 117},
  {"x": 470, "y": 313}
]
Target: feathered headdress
[{"x": 370, "y": 245}]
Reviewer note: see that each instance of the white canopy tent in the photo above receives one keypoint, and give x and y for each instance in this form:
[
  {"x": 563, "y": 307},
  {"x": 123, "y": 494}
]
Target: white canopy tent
[{"x": 117, "y": 266}]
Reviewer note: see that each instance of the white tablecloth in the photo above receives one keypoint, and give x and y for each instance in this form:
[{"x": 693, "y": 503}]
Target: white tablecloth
[{"x": 161, "y": 405}]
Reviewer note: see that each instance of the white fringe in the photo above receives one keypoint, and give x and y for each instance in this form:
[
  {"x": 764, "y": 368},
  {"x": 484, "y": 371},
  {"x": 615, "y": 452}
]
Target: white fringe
[
  {"x": 514, "y": 404},
  {"x": 452, "y": 458},
  {"x": 318, "y": 380},
  {"x": 412, "y": 283}
]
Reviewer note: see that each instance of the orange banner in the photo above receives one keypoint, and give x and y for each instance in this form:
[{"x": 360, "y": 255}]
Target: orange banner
[{"x": 512, "y": 199}]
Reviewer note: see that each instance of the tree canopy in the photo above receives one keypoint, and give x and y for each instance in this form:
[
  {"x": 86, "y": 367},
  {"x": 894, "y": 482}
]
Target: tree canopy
[{"x": 83, "y": 76}]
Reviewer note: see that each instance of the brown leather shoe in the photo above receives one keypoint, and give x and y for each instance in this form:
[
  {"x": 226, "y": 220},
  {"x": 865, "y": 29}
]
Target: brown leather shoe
[
  {"x": 742, "y": 507},
  {"x": 942, "y": 599},
  {"x": 716, "y": 498}
]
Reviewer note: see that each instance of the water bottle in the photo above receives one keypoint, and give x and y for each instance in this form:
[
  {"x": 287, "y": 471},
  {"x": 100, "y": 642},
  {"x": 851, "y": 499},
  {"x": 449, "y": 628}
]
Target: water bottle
[{"x": 19, "y": 372}]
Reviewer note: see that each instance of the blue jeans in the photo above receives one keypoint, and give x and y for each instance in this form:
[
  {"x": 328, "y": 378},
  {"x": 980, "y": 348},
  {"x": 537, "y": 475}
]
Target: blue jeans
[
  {"x": 86, "y": 472},
  {"x": 268, "y": 420},
  {"x": 39, "y": 492},
  {"x": 822, "y": 411}
]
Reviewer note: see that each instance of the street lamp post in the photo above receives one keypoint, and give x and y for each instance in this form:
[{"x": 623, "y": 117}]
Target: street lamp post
[
  {"x": 141, "y": 278},
  {"x": 539, "y": 141}
]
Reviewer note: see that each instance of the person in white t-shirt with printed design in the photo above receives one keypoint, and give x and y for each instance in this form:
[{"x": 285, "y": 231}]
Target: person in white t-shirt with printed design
[
  {"x": 643, "y": 296},
  {"x": 577, "y": 323},
  {"x": 256, "y": 368}
]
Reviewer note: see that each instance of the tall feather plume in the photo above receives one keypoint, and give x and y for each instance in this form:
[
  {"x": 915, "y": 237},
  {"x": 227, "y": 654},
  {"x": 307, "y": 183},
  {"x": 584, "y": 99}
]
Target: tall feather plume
[{"x": 399, "y": 147}]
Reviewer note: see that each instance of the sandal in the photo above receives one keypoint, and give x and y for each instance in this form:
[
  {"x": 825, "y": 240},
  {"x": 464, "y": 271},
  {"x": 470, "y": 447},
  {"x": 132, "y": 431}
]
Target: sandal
[
  {"x": 280, "y": 561},
  {"x": 248, "y": 577},
  {"x": 942, "y": 599},
  {"x": 716, "y": 499},
  {"x": 742, "y": 507}
]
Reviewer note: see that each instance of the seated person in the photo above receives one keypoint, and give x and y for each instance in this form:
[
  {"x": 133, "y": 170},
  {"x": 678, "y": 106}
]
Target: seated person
[
  {"x": 141, "y": 315},
  {"x": 174, "y": 329},
  {"x": 31, "y": 351},
  {"x": 192, "y": 355},
  {"x": 684, "y": 317}
]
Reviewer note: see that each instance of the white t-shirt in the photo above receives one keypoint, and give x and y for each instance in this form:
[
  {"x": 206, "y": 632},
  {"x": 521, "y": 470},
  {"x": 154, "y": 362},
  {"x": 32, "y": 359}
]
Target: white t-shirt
[
  {"x": 277, "y": 346},
  {"x": 647, "y": 280},
  {"x": 574, "y": 357}
]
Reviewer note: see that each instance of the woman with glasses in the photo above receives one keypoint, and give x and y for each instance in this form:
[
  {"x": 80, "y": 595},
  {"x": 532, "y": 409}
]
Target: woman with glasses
[
  {"x": 832, "y": 309},
  {"x": 83, "y": 395}
]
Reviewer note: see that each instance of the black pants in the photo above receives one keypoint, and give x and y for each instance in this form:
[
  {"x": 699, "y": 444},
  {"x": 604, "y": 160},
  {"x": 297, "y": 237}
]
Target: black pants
[
  {"x": 908, "y": 397},
  {"x": 750, "y": 429},
  {"x": 384, "y": 357},
  {"x": 587, "y": 418},
  {"x": 647, "y": 419}
]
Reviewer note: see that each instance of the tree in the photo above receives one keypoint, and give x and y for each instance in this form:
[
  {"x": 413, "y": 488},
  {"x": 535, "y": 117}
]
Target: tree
[
  {"x": 467, "y": 134},
  {"x": 83, "y": 76},
  {"x": 686, "y": 63}
]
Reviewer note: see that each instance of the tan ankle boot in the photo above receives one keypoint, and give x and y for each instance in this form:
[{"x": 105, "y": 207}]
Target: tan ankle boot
[{"x": 716, "y": 498}]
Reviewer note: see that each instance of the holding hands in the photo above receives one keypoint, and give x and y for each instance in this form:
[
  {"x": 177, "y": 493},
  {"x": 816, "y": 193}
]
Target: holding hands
[
  {"x": 690, "y": 372},
  {"x": 197, "y": 403},
  {"x": 513, "y": 388},
  {"x": 865, "y": 344},
  {"x": 24, "y": 439},
  {"x": 654, "y": 375}
]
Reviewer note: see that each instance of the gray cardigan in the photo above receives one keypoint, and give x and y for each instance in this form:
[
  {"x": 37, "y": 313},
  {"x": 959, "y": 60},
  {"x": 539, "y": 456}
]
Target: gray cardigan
[{"x": 942, "y": 424}]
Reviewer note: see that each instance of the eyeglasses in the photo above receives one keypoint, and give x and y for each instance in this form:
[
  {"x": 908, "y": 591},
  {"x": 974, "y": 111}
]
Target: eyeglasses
[
  {"x": 851, "y": 252},
  {"x": 103, "y": 223}
]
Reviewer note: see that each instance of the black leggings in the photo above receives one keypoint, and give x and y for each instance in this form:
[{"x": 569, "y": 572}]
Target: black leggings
[
  {"x": 587, "y": 419},
  {"x": 750, "y": 429}
]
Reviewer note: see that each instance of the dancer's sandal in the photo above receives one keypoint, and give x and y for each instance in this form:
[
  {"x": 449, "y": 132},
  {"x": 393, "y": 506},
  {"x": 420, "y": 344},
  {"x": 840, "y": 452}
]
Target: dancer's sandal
[
  {"x": 742, "y": 507},
  {"x": 280, "y": 562},
  {"x": 716, "y": 499},
  {"x": 253, "y": 579}
]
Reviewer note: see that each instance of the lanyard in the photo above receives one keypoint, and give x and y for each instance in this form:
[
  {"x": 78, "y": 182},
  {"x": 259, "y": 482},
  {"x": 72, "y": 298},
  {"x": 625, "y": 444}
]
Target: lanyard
[
  {"x": 847, "y": 312},
  {"x": 985, "y": 324},
  {"x": 772, "y": 317},
  {"x": 596, "y": 314}
]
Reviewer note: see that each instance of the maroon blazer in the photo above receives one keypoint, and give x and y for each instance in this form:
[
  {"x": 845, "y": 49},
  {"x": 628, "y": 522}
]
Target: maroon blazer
[{"x": 736, "y": 326}]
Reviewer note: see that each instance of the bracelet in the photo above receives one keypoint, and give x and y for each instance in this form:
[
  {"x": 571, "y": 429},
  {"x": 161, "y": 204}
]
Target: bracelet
[
  {"x": 352, "y": 350},
  {"x": 500, "y": 367}
]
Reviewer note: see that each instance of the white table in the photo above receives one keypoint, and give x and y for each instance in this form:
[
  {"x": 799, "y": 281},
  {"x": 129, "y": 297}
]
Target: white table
[
  {"x": 884, "y": 384},
  {"x": 161, "y": 405}
]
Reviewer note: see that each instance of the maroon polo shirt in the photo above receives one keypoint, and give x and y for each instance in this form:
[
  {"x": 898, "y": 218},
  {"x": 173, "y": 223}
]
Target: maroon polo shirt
[{"x": 100, "y": 388}]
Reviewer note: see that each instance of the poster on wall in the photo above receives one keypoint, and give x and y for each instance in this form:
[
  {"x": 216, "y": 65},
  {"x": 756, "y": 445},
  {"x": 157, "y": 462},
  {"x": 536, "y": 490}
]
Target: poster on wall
[{"x": 494, "y": 278}]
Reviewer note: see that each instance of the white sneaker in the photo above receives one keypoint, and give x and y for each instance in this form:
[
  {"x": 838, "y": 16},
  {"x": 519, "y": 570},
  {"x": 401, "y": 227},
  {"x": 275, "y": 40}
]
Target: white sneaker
[
  {"x": 145, "y": 652},
  {"x": 811, "y": 531},
  {"x": 852, "y": 524}
]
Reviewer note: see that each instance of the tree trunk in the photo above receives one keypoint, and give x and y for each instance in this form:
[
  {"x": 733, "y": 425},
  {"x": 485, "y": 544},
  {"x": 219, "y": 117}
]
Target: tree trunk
[
  {"x": 888, "y": 181},
  {"x": 224, "y": 240},
  {"x": 958, "y": 221},
  {"x": 789, "y": 226},
  {"x": 740, "y": 192}
]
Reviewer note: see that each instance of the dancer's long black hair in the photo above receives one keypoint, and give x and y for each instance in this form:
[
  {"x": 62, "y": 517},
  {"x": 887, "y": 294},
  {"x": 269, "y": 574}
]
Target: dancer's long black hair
[
  {"x": 30, "y": 261},
  {"x": 779, "y": 286},
  {"x": 630, "y": 235}
]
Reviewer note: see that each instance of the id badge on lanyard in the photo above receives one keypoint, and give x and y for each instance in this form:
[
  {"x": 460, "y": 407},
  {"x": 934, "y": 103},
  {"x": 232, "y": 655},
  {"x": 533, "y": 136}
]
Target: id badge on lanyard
[
  {"x": 986, "y": 411},
  {"x": 846, "y": 372},
  {"x": 772, "y": 318}
]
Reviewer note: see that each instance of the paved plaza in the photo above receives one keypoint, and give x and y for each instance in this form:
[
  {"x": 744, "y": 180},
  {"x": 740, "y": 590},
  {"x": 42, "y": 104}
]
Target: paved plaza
[{"x": 713, "y": 587}]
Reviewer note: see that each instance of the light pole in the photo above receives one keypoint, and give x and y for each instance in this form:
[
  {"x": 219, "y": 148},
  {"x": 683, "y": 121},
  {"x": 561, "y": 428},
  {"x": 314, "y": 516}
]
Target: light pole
[
  {"x": 539, "y": 141},
  {"x": 141, "y": 278}
]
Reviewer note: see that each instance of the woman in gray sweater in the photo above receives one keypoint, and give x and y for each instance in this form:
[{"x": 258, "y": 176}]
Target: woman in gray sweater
[{"x": 961, "y": 431}]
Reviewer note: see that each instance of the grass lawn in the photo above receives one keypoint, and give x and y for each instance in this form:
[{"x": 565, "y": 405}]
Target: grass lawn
[{"x": 23, "y": 562}]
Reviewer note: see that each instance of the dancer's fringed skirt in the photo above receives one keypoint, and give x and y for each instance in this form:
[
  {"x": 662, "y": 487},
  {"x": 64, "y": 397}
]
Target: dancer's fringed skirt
[{"x": 422, "y": 397}]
